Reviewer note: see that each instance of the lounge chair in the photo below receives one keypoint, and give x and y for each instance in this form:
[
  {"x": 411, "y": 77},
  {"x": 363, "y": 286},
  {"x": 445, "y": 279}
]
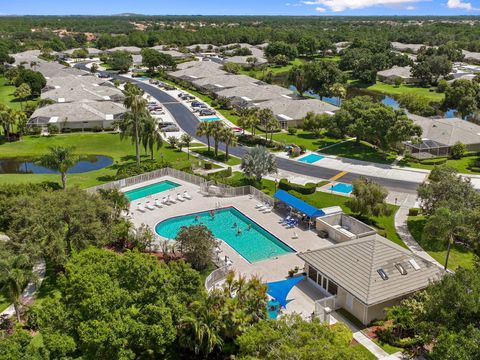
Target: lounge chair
[
  {"x": 187, "y": 195},
  {"x": 259, "y": 205},
  {"x": 141, "y": 208},
  {"x": 295, "y": 235},
  {"x": 165, "y": 200},
  {"x": 286, "y": 220},
  {"x": 150, "y": 206},
  {"x": 268, "y": 210},
  {"x": 292, "y": 224},
  {"x": 158, "y": 203},
  {"x": 170, "y": 200},
  {"x": 180, "y": 198}
]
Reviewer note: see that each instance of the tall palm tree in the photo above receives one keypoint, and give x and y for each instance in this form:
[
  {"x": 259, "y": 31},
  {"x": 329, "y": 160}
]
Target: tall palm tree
[
  {"x": 137, "y": 105},
  {"x": 205, "y": 129},
  {"x": 16, "y": 272},
  {"x": 272, "y": 125},
  {"x": 217, "y": 131},
  {"x": 60, "y": 159},
  {"x": 229, "y": 138},
  {"x": 186, "y": 139},
  {"x": 150, "y": 135},
  {"x": 8, "y": 118},
  {"x": 258, "y": 162},
  {"x": 248, "y": 119},
  {"x": 266, "y": 117}
]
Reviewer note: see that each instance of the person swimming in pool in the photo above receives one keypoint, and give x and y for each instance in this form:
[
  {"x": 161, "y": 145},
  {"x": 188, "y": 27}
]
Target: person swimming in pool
[
  {"x": 249, "y": 227},
  {"x": 212, "y": 214},
  {"x": 234, "y": 224},
  {"x": 239, "y": 231},
  {"x": 197, "y": 218}
]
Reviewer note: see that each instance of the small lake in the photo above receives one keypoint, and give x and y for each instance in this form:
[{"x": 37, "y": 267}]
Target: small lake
[{"x": 29, "y": 166}]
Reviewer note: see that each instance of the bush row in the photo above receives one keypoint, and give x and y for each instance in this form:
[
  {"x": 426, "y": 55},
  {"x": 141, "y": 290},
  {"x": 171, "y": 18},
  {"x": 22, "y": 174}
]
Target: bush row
[{"x": 306, "y": 189}]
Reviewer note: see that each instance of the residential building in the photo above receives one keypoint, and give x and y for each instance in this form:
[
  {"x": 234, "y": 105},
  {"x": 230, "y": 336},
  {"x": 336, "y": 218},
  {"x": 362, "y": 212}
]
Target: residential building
[
  {"x": 391, "y": 75},
  {"x": 222, "y": 82},
  {"x": 85, "y": 115},
  {"x": 92, "y": 52},
  {"x": 471, "y": 57},
  {"x": 255, "y": 92},
  {"x": 411, "y": 48},
  {"x": 73, "y": 90},
  {"x": 367, "y": 275},
  {"x": 439, "y": 135},
  {"x": 130, "y": 49}
]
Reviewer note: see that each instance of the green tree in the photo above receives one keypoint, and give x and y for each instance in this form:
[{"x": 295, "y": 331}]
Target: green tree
[
  {"x": 368, "y": 198},
  {"x": 121, "y": 61},
  {"x": 117, "y": 199},
  {"x": 464, "y": 96},
  {"x": 187, "y": 139},
  {"x": 230, "y": 139},
  {"x": 34, "y": 79},
  {"x": 296, "y": 76},
  {"x": 60, "y": 159},
  {"x": 172, "y": 141},
  {"x": 197, "y": 243},
  {"x": 316, "y": 123},
  {"x": 322, "y": 75},
  {"x": 248, "y": 119},
  {"x": 94, "y": 68},
  {"x": 131, "y": 124},
  {"x": 307, "y": 46},
  {"x": 258, "y": 162},
  {"x": 150, "y": 135},
  {"x": 458, "y": 150},
  {"x": 23, "y": 92},
  {"x": 232, "y": 68},
  {"x": 15, "y": 273},
  {"x": 204, "y": 128},
  {"x": 339, "y": 90},
  {"x": 280, "y": 48},
  {"x": 217, "y": 131}
]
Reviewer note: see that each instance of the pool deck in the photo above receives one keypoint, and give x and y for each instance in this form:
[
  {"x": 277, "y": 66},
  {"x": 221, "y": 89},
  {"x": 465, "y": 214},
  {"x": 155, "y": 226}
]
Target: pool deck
[{"x": 273, "y": 269}]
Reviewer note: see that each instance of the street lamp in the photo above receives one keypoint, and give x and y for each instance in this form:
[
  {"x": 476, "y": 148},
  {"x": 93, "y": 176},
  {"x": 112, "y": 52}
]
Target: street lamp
[{"x": 276, "y": 181}]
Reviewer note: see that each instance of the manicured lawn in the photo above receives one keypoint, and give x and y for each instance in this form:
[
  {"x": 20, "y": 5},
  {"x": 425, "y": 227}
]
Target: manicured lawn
[
  {"x": 461, "y": 165},
  {"x": 459, "y": 256},
  {"x": 363, "y": 353},
  {"x": 362, "y": 151},
  {"x": 390, "y": 349},
  {"x": 108, "y": 144},
  {"x": 304, "y": 138},
  {"x": 7, "y": 97},
  {"x": 384, "y": 224},
  {"x": 275, "y": 70},
  {"x": 388, "y": 89},
  {"x": 221, "y": 156}
]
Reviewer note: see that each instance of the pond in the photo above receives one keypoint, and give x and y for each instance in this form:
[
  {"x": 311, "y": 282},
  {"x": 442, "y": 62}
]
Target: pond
[{"x": 29, "y": 166}]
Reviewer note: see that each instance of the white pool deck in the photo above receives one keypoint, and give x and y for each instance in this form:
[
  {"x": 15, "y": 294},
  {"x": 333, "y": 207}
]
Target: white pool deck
[{"x": 301, "y": 297}]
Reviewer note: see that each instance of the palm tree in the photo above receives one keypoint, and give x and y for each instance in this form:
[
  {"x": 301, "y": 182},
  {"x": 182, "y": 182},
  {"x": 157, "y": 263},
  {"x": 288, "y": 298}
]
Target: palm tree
[
  {"x": 22, "y": 92},
  {"x": 271, "y": 126},
  {"x": 248, "y": 119},
  {"x": 266, "y": 117},
  {"x": 94, "y": 68},
  {"x": 150, "y": 135},
  {"x": 258, "y": 162},
  {"x": 173, "y": 141},
  {"x": 217, "y": 129},
  {"x": 230, "y": 139},
  {"x": 60, "y": 159},
  {"x": 205, "y": 129},
  {"x": 186, "y": 139},
  {"x": 15, "y": 273},
  {"x": 297, "y": 77},
  {"x": 136, "y": 103},
  {"x": 7, "y": 119}
]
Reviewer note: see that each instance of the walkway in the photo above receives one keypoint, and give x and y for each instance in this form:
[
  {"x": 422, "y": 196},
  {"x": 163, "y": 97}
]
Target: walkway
[{"x": 39, "y": 270}]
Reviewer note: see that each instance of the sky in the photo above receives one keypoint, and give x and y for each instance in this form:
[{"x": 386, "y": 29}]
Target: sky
[{"x": 241, "y": 7}]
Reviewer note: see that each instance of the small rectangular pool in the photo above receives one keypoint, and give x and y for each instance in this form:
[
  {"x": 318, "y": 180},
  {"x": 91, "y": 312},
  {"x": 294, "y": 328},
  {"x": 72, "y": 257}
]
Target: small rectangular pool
[
  {"x": 210, "y": 119},
  {"x": 342, "y": 188},
  {"x": 253, "y": 242},
  {"x": 311, "y": 158},
  {"x": 148, "y": 190}
]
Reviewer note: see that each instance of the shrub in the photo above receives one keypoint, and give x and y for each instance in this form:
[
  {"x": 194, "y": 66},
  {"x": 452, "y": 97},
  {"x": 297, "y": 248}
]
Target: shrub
[
  {"x": 208, "y": 166},
  {"x": 413, "y": 212},
  {"x": 442, "y": 86},
  {"x": 440, "y": 161},
  {"x": 458, "y": 150},
  {"x": 133, "y": 169},
  {"x": 35, "y": 130},
  {"x": 97, "y": 129},
  {"x": 306, "y": 189},
  {"x": 53, "y": 129},
  {"x": 292, "y": 130}
]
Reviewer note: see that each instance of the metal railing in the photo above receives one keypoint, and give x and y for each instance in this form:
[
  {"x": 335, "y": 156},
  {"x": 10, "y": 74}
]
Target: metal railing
[
  {"x": 216, "y": 276},
  {"x": 211, "y": 188},
  {"x": 134, "y": 180}
]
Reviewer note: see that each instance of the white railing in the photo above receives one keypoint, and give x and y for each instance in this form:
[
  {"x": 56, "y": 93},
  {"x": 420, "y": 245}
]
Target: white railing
[
  {"x": 211, "y": 188},
  {"x": 216, "y": 276},
  {"x": 324, "y": 307},
  {"x": 120, "y": 184}
]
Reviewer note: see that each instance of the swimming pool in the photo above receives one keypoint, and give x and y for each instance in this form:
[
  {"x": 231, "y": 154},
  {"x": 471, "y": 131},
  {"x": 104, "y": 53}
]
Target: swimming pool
[
  {"x": 342, "y": 188},
  {"x": 253, "y": 244},
  {"x": 311, "y": 158},
  {"x": 148, "y": 190},
  {"x": 210, "y": 119}
]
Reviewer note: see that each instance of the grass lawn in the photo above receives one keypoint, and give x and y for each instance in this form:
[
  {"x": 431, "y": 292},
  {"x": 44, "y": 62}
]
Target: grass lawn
[
  {"x": 461, "y": 165},
  {"x": 221, "y": 156},
  {"x": 362, "y": 352},
  {"x": 459, "y": 256},
  {"x": 275, "y": 70},
  {"x": 362, "y": 151},
  {"x": 385, "y": 225},
  {"x": 7, "y": 97},
  {"x": 108, "y": 144},
  {"x": 390, "y": 349},
  {"x": 304, "y": 138},
  {"x": 388, "y": 89}
]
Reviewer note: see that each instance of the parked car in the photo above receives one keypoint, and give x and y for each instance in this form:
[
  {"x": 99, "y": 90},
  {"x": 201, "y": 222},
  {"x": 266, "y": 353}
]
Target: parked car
[
  {"x": 197, "y": 104},
  {"x": 165, "y": 124},
  {"x": 171, "y": 128},
  {"x": 153, "y": 81},
  {"x": 188, "y": 97},
  {"x": 169, "y": 87},
  {"x": 206, "y": 112},
  {"x": 157, "y": 112},
  {"x": 155, "y": 107}
]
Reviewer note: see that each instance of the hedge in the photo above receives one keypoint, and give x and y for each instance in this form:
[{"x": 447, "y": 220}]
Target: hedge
[{"x": 306, "y": 189}]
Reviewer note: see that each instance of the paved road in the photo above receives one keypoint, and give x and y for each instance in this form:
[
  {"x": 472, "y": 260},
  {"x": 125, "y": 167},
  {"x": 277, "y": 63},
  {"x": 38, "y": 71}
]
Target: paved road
[{"x": 188, "y": 122}]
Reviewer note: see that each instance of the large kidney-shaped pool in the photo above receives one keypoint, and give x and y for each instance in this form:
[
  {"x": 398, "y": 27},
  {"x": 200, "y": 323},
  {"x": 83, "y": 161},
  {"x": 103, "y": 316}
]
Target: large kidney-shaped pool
[{"x": 253, "y": 242}]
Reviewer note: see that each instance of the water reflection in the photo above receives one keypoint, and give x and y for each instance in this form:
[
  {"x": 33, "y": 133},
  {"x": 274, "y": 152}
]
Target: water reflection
[{"x": 29, "y": 165}]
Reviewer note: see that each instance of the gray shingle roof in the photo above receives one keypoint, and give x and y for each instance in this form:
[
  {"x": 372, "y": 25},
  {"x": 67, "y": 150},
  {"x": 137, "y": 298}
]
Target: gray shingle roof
[
  {"x": 402, "y": 47},
  {"x": 198, "y": 69},
  {"x": 475, "y": 56},
  {"x": 130, "y": 49},
  {"x": 224, "y": 81},
  {"x": 254, "y": 92},
  {"x": 82, "y": 91},
  {"x": 353, "y": 265},
  {"x": 288, "y": 109},
  {"x": 80, "y": 111},
  {"x": 448, "y": 131},
  {"x": 404, "y": 72}
]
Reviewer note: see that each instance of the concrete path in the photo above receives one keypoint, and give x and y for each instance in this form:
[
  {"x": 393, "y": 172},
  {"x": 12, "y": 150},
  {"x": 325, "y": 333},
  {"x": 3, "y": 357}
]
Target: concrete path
[{"x": 39, "y": 270}]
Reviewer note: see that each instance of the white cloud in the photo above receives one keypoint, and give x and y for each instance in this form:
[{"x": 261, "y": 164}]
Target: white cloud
[
  {"x": 342, "y": 5},
  {"x": 459, "y": 4},
  {"x": 320, "y": 9},
  {"x": 411, "y": 8}
]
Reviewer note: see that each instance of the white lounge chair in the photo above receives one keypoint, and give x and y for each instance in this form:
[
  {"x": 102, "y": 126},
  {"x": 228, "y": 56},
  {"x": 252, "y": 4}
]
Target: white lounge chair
[
  {"x": 295, "y": 235},
  {"x": 141, "y": 208},
  {"x": 259, "y": 205},
  {"x": 158, "y": 203},
  {"x": 187, "y": 195},
  {"x": 170, "y": 200},
  {"x": 180, "y": 198},
  {"x": 165, "y": 200},
  {"x": 268, "y": 210},
  {"x": 150, "y": 206}
]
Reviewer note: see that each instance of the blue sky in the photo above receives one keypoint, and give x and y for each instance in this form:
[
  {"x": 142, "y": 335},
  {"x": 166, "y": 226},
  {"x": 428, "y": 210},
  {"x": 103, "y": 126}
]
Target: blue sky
[{"x": 243, "y": 7}]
